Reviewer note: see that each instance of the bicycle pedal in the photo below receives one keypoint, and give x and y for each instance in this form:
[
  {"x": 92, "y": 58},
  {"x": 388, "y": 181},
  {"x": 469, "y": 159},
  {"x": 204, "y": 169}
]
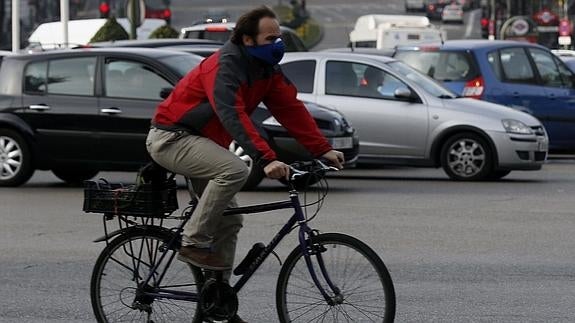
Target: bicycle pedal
[{"x": 255, "y": 252}]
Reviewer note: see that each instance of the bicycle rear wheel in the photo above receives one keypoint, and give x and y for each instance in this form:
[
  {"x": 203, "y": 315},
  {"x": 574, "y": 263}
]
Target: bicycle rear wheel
[
  {"x": 366, "y": 289},
  {"x": 123, "y": 266}
]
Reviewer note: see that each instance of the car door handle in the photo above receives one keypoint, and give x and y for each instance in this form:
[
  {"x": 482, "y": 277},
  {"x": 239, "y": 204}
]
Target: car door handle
[
  {"x": 39, "y": 107},
  {"x": 516, "y": 94},
  {"x": 112, "y": 110}
]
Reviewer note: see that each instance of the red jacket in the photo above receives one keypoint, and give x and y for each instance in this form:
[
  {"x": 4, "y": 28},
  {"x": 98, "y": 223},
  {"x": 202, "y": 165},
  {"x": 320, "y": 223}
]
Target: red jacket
[{"x": 216, "y": 98}]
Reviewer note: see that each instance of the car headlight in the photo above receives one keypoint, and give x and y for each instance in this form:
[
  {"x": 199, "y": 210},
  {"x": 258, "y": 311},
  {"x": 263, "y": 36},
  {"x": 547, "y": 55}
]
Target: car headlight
[
  {"x": 271, "y": 121},
  {"x": 515, "y": 126}
]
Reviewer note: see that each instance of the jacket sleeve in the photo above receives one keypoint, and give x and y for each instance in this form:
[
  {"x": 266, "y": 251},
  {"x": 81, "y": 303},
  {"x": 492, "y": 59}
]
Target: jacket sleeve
[
  {"x": 224, "y": 92},
  {"x": 291, "y": 113}
]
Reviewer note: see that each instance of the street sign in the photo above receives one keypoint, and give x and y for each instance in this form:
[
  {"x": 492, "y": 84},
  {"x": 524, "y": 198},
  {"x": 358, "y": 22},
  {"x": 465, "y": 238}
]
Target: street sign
[{"x": 139, "y": 13}]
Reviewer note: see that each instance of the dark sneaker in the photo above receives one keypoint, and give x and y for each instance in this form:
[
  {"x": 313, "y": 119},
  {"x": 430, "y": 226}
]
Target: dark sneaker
[
  {"x": 203, "y": 258},
  {"x": 237, "y": 319}
]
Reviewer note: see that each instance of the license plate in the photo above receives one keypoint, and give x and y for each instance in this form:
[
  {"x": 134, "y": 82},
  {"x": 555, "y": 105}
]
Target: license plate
[{"x": 341, "y": 142}]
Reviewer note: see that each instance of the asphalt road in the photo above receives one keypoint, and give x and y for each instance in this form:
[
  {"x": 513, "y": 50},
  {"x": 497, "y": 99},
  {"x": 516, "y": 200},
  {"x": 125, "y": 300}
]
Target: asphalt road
[{"x": 457, "y": 252}]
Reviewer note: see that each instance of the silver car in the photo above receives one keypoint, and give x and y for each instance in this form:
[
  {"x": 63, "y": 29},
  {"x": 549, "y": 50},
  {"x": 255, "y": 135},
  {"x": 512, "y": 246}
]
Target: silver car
[{"x": 404, "y": 117}]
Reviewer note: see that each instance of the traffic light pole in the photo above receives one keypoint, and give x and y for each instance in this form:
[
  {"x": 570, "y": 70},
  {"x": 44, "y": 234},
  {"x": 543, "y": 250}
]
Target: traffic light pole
[
  {"x": 64, "y": 17},
  {"x": 15, "y": 25},
  {"x": 133, "y": 14}
]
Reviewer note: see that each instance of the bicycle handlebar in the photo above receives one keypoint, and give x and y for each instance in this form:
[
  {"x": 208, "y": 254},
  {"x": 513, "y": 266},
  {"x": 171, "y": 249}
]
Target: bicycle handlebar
[{"x": 314, "y": 167}]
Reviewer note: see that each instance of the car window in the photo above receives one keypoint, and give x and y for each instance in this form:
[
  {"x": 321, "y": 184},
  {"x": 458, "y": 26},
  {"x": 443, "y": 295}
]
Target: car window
[
  {"x": 74, "y": 76},
  {"x": 35, "y": 78},
  {"x": 566, "y": 74},
  {"x": 218, "y": 35},
  {"x": 365, "y": 44},
  {"x": 376, "y": 83},
  {"x": 423, "y": 61},
  {"x": 181, "y": 63},
  {"x": 547, "y": 68},
  {"x": 130, "y": 79},
  {"x": 516, "y": 66},
  {"x": 495, "y": 63},
  {"x": 425, "y": 82},
  {"x": 341, "y": 78},
  {"x": 301, "y": 74}
]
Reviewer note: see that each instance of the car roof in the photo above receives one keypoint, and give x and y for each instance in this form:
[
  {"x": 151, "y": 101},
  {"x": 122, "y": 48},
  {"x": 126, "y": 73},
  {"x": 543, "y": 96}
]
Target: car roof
[
  {"x": 339, "y": 55},
  {"x": 150, "y": 43},
  {"x": 471, "y": 44},
  {"x": 227, "y": 25},
  {"x": 362, "y": 50},
  {"x": 144, "y": 52}
]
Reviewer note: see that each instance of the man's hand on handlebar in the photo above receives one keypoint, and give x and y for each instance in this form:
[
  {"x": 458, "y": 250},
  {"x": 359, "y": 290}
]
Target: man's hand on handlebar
[
  {"x": 335, "y": 157},
  {"x": 276, "y": 170}
]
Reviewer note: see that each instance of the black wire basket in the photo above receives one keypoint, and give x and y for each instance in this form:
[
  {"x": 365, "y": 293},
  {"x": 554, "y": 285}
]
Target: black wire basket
[{"x": 145, "y": 199}]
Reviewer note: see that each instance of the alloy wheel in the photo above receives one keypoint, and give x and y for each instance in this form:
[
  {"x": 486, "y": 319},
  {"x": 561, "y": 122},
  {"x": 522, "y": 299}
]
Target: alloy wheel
[{"x": 10, "y": 158}]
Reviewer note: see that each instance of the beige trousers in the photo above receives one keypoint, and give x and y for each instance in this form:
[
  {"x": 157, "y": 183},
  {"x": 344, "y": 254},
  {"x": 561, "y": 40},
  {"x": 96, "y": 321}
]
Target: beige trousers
[{"x": 217, "y": 175}]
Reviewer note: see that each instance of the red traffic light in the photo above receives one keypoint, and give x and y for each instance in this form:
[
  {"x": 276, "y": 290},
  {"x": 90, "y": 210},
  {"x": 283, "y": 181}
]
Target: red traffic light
[{"x": 104, "y": 8}]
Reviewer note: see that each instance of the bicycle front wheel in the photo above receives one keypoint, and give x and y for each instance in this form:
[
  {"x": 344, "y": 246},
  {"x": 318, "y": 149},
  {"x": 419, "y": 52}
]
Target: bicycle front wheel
[
  {"x": 366, "y": 291},
  {"x": 117, "y": 290}
]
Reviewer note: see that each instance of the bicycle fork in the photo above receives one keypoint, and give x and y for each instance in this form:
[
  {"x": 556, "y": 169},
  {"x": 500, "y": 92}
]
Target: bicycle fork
[{"x": 313, "y": 249}]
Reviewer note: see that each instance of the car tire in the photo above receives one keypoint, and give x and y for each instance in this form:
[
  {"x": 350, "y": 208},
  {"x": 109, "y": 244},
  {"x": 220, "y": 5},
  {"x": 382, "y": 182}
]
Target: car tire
[
  {"x": 256, "y": 172},
  {"x": 466, "y": 157},
  {"x": 76, "y": 176},
  {"x": 16, "y": 166},
  {"x": 498, "y": 174}
]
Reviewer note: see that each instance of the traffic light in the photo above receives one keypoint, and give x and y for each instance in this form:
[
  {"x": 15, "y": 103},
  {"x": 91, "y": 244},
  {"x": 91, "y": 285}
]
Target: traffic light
[{"x": 104, "y": 9}]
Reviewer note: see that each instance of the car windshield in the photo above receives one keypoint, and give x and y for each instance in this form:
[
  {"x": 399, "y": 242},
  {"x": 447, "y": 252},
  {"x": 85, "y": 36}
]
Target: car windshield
[
  {"x": 181, "y": 63},
  {"x": 445, "y": 66},
  {"x": 425, "y": 82}
]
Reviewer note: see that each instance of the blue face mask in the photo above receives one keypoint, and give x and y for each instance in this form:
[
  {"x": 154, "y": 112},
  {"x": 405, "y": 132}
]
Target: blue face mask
[{"x": 269, "y": 53}]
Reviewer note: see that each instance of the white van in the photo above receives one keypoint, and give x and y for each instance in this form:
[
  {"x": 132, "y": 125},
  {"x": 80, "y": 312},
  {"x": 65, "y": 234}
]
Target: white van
[
  {"x": 50, "y": 35},
  {"x": 388, "y": 31}
]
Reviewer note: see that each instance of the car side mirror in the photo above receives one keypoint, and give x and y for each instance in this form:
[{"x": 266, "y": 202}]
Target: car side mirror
[
  {"x": 404, "y": 93},
  {"x": 165, "y": 92}
]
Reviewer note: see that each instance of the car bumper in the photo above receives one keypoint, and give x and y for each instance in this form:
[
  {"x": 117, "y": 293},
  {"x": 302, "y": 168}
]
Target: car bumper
[
  {"x": 289, "y": 150},
  {"x": 518, "y": 152}
]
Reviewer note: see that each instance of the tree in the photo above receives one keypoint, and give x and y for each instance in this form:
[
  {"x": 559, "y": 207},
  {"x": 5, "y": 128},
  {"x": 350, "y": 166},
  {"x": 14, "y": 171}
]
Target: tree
[
  {"x": 165, "y": 31},
  {"x": 111, "y": 30}
]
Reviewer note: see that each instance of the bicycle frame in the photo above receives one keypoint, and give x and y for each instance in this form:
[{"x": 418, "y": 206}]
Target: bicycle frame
[{"x": 297, "y": 218}]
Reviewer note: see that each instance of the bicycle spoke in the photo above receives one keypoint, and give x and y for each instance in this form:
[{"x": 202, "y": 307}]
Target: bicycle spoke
[
  {"x": 351, "y": 267},
  {"x": 128, "y": 261}
]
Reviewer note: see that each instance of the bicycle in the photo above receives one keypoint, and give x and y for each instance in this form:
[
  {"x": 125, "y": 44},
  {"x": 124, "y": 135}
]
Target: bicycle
[{"x": 328, "y": 276}]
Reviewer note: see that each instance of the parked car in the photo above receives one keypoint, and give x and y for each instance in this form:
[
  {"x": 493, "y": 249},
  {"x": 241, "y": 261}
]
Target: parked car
[
  {"x": 78, "y": 112},
  {"x": 525, "y": 76},
  {"x": 222, "y": 32},
  {"x": 201, "y": 47},
  {"x": 414, "y": 5},
  {"x": 434, "y": 8},
  {"x": 404, "y": 117},
  {"x": 452, "y": 13}
]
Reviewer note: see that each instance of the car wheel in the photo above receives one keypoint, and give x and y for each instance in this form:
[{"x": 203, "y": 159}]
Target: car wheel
[
  {"x": 15, "y": 159},
  {"x": 498, "y": 174},
  {"x": 256, "y": 173},
  {"x": 466, "y": 157},
  {"x": 75, "y": 176}
]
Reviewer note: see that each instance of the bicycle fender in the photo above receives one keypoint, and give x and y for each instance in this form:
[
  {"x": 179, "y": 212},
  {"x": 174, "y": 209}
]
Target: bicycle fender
[{"x": 126, "y": 230}]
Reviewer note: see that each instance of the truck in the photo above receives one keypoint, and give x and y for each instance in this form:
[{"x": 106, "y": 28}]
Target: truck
[{"x": 388, "y": 31}]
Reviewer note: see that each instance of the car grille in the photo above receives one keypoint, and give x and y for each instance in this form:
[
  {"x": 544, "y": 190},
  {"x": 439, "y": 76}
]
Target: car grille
[
  {"x": 537, "y": 156},
  {"x": 324, "y": 124}
]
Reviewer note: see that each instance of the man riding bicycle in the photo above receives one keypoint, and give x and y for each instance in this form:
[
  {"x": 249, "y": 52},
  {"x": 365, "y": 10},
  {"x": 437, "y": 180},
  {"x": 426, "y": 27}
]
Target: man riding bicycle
[{"x": 209, "y": 108}]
